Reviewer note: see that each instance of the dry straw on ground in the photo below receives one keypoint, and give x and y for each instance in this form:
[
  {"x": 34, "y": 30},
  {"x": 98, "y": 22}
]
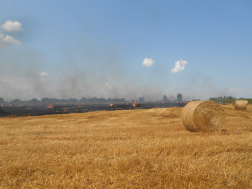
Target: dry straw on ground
[
  {"x": 240, "y": 104},
  {"x": 146, "y": 148},
  {"x": 203, "y": 116}
]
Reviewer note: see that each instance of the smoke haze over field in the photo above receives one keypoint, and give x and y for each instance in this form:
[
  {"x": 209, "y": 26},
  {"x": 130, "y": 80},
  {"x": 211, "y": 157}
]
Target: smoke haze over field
[
  {"x": 124, "y": 49},
  {"x": 23, "y": 77},
  {"x": 78, "y": 84}
]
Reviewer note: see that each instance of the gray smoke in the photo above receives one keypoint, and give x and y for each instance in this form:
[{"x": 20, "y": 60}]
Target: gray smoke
[{"x": 91, "y": 71}]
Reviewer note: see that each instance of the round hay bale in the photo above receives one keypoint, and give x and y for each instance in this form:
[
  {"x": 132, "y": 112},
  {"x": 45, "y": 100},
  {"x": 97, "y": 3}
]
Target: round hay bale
[
  {"x": 203, "y": 116},
  {"x": 233, "y": 103},
  {"x": 240, "y": 104}
]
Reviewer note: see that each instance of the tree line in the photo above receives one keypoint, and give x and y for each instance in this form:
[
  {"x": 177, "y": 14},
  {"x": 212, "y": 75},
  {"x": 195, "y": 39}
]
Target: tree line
[
  {"x": 224, "y": 97},
  {"x": 72, "y": 100}
]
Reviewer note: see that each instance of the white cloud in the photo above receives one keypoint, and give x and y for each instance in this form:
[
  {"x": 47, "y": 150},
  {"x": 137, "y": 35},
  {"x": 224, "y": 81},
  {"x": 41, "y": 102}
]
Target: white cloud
[
  {"x": 9, "y": 26},
  {"x": 10, "y": 39},
  {"x": 108, "y": 86},
  {"x": 179, "y": 66},
  {"x": 7, "y": 39},
  {"x": 43, "y": 74},
  {"x": 148, "y": 62},
  {"x": 12, "y": 26}
]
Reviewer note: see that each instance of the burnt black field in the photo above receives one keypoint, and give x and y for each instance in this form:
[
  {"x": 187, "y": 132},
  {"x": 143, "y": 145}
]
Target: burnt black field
[{"x": 47, "y": 109}]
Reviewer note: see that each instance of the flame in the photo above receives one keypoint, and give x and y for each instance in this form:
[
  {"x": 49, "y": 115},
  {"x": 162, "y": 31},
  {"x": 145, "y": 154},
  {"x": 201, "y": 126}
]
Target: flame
[
  {"x": 1, "y": 105},
  {"x": 20, "y": 105},
  {"x": 162, "y": 102},
  {"x": 50, "y": 106},
  {"x": 186, "y": 102},
  {"x": 135, "y": 104},
  {"x": 111, "y": 104},
  {"x": 10, "y": 104}
]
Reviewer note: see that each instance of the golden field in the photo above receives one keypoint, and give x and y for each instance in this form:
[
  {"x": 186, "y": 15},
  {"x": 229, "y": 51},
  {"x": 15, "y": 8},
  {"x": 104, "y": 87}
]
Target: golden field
[{"x": 124, "y": 149}]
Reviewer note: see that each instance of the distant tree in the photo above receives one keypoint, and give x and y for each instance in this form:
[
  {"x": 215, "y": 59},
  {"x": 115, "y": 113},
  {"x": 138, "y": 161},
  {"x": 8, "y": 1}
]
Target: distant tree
[
  {"x": 117, "y": 100},
  {"x": 45, "y": 100},
  {"x": 164, "y": 98},
  {"x": 103, "y": 100},
  {"x": 62, "y": 100},
  {"x": 50, "y": 100},
  {"x": 141, "y": 99},
  {"x": 1, "y": 100},
  {"x": 83, "y": 99},
  {"x": 179, "y": 97},
  {"x": 72, "y": 100},
  {"x": 16, "y": 101},
  {"x": 34, "y": 100}
]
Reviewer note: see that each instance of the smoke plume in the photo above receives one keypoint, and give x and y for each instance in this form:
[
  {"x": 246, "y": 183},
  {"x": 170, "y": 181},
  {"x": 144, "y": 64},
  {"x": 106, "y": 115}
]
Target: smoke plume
[{"x": 89, "y": 71}]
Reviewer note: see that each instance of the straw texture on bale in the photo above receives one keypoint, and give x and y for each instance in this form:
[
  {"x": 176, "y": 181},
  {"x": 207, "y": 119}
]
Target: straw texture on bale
[
  {"x": 203, "y": 116},
  {"x": 240, "y": 104}
]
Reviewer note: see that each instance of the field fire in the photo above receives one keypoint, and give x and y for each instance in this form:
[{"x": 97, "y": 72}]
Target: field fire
[
  {"x": 65, "y": 108},
  {"x": 125, "y": 94}
]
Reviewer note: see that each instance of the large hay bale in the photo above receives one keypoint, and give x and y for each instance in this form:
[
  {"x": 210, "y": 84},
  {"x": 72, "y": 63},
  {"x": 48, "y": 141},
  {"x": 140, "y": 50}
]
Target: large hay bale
[
  {"x": 240, "y": 104},
  {"x": 203, "y": 116}
]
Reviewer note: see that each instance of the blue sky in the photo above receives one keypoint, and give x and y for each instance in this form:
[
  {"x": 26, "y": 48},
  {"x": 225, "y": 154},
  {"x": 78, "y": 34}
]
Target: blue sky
[{"x": 75, "y": 49}]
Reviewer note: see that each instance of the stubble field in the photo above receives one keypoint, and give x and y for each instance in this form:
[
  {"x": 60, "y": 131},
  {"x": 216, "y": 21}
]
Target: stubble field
[{"x": 124, "y": 149}]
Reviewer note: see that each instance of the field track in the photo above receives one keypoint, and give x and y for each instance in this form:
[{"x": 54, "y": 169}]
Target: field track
[{"x": 147, "y": 148}]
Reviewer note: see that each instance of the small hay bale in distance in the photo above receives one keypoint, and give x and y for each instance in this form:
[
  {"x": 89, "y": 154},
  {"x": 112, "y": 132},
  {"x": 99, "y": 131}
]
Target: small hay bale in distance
[
  {"x": 240, "y": 104},
  {"x": 203, "y": 116}
]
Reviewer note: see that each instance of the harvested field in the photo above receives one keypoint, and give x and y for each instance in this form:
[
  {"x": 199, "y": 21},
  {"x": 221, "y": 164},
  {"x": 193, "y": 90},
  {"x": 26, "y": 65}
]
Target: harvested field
[{"x": 147, "y": 148}]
